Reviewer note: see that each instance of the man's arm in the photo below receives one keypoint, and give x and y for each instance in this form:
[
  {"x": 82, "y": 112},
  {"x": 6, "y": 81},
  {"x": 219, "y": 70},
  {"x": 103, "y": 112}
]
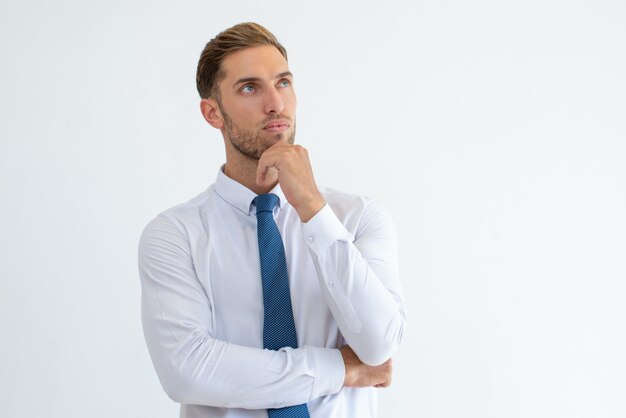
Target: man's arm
[
  {"x": 358, "y": 273},
  {"x": 196, "y": 368},
  {"x": 359, "y": 279}
]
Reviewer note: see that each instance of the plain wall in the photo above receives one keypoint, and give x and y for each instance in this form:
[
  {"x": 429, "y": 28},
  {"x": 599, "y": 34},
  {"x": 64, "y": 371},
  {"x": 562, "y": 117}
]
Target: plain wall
[{"x": 494, "y": 132}]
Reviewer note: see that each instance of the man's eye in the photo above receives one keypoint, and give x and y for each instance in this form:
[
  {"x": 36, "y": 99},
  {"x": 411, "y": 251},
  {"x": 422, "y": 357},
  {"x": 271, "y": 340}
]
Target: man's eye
[
  {"x": 285, "y": 83},
  {"x": 247, "y": 89}
]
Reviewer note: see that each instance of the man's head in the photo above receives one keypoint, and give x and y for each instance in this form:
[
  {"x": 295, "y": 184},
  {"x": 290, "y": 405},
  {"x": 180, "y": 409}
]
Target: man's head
[
  {"x": 241, "y": 36},
  {"x": 246, "y": 88}
]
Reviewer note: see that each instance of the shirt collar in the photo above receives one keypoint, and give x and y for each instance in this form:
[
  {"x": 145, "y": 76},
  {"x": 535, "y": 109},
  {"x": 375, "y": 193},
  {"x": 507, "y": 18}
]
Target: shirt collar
[{"x": 239, "y": 196}]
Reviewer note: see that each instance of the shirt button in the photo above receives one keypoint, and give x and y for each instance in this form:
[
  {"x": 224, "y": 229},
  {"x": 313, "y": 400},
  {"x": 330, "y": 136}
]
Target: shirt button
[
  {"x": 310, "y": 238},
  {"x": 331, "y": 284}
]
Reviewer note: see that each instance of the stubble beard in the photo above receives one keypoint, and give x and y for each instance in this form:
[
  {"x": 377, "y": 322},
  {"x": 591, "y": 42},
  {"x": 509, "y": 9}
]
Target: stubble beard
[{"x": 247, "y": 142}]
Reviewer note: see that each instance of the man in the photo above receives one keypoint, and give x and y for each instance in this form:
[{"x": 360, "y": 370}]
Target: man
[{"x": 219, "y": 292}]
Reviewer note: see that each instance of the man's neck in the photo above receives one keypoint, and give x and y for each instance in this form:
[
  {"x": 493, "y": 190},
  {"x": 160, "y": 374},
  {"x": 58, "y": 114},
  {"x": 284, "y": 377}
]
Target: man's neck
[{"x": 244, "y": 172}]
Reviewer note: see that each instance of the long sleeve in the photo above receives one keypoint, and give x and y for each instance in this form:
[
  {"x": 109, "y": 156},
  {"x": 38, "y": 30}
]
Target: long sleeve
[
  {"x": 196, "y": 368},
  {"x": 359, "y": 278}
]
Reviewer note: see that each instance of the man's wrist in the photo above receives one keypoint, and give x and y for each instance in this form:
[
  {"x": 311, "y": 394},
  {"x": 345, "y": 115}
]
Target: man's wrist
[
  {"x": 347, "y": 363},
  {"x": 311, "y": 208}
]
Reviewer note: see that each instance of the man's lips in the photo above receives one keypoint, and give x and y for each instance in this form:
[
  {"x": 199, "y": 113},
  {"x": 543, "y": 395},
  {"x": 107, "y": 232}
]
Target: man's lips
[{"x": 276, "y": 126}]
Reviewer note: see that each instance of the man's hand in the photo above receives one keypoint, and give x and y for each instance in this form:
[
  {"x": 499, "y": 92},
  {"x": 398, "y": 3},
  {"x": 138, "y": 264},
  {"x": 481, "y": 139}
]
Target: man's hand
[
  {"x": 359, "y": 375},
  {"x": 295, "y": 176}
]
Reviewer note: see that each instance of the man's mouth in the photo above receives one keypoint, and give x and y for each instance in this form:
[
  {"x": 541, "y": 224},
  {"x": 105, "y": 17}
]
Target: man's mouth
[{"x": 276, "y": 126}]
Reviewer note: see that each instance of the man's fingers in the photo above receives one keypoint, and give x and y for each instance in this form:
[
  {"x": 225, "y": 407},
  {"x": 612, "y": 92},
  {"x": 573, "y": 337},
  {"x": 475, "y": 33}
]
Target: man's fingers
[
  {"x": 269, "y": 160},
  {"x": 383, "y": 385},
  {"x": 260, "y": 174},
  {"x": 264, "y": 166}
]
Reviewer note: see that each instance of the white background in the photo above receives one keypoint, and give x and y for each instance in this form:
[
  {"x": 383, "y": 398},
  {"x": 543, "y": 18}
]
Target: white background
[{"x": 494, "y": 131}]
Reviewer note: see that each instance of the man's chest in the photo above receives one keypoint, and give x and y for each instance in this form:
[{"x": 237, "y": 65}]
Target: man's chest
[{"x": 228, "y": 267}]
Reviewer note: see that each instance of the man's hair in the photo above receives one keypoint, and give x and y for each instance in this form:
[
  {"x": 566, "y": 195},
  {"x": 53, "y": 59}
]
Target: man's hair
[{"x": 244, "y": 35}]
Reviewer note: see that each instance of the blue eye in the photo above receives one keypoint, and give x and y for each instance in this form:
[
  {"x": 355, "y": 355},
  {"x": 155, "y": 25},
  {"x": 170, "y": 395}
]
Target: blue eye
[
  {"x": 248, "y": 88},
  {"x": 285, "y": 83}
]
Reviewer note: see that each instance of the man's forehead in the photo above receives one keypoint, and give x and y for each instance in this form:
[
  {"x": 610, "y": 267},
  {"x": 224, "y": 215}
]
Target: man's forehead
[{"x": 258, "y": 61}]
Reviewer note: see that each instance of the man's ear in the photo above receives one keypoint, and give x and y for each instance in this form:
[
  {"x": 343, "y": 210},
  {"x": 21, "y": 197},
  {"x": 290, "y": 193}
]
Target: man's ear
[{"x": 211, "y": 112}]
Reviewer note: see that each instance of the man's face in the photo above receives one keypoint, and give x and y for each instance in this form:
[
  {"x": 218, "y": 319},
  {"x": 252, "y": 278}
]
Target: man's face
[{"x": 257, "y": 100}]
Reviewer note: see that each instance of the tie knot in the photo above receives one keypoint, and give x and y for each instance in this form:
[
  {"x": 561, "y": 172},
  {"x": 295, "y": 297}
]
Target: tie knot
[{"x": 265, "y": 202}]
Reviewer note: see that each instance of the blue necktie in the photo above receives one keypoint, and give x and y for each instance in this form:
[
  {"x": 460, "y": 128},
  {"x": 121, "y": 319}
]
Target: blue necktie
[{"x": 279, "y": 330}]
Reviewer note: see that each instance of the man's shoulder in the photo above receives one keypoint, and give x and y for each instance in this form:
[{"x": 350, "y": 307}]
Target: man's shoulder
[
  {"x": 341, "y": 197},
  {"x": 360, "y": 215},
  {"x": 347, "y": 204},
  {"x": 186, "y": 213},
  {"x": 191, "y": 206}
]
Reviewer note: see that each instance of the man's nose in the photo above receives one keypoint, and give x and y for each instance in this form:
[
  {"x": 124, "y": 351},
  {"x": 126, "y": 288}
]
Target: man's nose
[{"x": 273, "y": 101}]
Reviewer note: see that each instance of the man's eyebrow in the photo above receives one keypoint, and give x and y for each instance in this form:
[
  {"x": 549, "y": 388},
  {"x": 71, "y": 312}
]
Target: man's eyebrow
[
  {"x": 246, "y": 80},
  {"x": 284, "y": 74},
  {"x": 253, "y": 79}
]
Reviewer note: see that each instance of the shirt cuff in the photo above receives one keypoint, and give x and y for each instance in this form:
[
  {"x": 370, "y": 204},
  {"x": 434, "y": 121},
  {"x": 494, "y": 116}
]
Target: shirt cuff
[
  {"x": 323, "y": 230},
  {"x": 330, "y": 371}
]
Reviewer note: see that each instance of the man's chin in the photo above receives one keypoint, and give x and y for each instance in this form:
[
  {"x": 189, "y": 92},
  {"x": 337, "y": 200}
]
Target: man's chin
[{"x": 285, "y": 137}]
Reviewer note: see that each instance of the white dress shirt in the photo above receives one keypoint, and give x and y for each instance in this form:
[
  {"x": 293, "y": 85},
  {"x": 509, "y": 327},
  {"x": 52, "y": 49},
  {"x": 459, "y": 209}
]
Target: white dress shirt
[{"x": 202, "y": 304}]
